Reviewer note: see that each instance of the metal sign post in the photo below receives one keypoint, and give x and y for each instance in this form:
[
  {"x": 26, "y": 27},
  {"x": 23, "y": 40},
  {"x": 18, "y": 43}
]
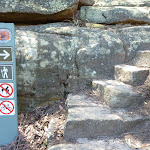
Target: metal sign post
[{"x": 8, "y": 90}]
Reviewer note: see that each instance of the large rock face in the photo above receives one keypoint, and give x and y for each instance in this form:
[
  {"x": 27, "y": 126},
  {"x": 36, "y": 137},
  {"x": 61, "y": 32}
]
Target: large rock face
[
  {"x": 33, "y": 11},
  {"x": 50, "y": 58},
  {"x": 56, "y": 59}
]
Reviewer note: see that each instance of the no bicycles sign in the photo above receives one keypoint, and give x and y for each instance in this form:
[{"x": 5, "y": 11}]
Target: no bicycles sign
[{"x": 7, "y": 107}]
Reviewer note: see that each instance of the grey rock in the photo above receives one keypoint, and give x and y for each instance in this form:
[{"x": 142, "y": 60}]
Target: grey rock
[
  {"x": 113, "y": 15},
  {"x": 61, "y": 146},
  {"x": 86, "y": 2},
  {"x": 117, "y": 94},
  {"x": 74, "y": 147},
  {"x": 92, "y": 145},
  {"x": 132, "y": 75},
  {"x": 135, "y": 39},
  {"x": 81, "y": 100},
  {"x": 94, "y": 56},
  {"x": 33, "y": 11},
  {"x": 97, "y": 121},
  {"x": 54, "y": 59},
  {"x": 41, "y": 7},
  {"x": 142, "y": 59},
  {"x": 128, "y": 3},
  {"x": 77, "y": 84},
  {"x": 105, "y": 143}
]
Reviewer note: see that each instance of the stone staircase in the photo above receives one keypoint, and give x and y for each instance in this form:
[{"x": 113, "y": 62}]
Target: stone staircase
[{"x": 112, "y": 111}]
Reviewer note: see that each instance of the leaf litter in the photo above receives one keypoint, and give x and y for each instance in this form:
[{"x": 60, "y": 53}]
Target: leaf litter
[{"x": 33, "y": 127}]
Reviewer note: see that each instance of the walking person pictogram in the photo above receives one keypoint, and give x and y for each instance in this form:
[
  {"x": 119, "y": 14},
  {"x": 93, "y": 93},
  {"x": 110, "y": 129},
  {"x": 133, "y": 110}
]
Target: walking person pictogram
[{"x": 4, "y": 73}]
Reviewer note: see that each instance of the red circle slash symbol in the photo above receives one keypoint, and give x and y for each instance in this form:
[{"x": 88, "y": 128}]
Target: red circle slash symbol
[
  {"x": 3, "y": 89},
  {"x": 8, "y": 107}
]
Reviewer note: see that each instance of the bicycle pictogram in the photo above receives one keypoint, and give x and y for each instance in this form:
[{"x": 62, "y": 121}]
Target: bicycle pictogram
[{"x": 7, "y": 108}]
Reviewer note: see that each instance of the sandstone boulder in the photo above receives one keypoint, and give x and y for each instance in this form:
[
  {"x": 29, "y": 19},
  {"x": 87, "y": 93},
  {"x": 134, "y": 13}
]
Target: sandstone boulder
[
  {"x": 24, "y": 11},
  {"x": 113, "y": 15},
  {"x": 50, "y": 57},
  {"x": 134, "y": 39}
]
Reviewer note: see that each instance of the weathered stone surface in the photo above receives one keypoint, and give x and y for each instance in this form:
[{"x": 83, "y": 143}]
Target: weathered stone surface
[
  {"x": 113, "y": 15},
  {"x": 111, "y": 3},
  {"x": 142, "y": 59},
  {"x": 87, "y": 121},
  {"x": 132, "y": 75},
  {"x": 50, "y": 57},
  {"x": 86, "y": 2},
  {"x": 24, "y": 11},
  {"x": 134, "y": 39},
  {"x": 76, "y": 84},
  {"x": 117, "y": 94},
  {"x": 92, "y": 145},
  {"x": 97, "y": 58},
  {"x": 81, "y": 100}
]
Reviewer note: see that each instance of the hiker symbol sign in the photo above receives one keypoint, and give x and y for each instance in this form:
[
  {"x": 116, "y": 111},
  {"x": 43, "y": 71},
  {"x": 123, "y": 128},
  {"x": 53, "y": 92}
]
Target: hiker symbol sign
[{"x": 6, "y": 72}]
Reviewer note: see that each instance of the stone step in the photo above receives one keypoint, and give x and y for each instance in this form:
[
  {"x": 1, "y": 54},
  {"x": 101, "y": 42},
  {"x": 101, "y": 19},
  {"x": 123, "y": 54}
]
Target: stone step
[
  {"x": 87, "y": 118},
  {"x": 111, "y": 15},
  {"x": 84, "y": 144},
  {"x": 132, "y": 75},
  {"x": 127, "y": 3},
  {"x": 142, "y": 59},
  {"x": 117, "y": 94}
]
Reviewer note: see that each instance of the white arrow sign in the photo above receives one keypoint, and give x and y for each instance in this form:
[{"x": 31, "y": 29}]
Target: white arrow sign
[{"x": 5, "y": 54}]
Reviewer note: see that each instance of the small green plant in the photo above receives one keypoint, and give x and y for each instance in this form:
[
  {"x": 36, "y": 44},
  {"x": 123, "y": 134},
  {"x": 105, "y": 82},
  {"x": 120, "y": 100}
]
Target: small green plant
[{"x": 45, "y": 142}]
